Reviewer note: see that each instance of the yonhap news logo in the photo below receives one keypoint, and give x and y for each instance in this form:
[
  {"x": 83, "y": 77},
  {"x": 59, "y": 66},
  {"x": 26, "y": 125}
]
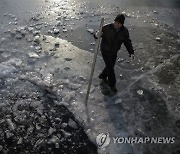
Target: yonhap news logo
[
  {"x": 104, "y": 139},
  {"x": 144, "y": 140}
]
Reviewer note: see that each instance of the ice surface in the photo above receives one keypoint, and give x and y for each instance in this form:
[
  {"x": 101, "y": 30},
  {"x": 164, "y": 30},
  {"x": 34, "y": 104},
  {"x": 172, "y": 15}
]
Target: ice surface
[
  {"x": 33, "y": 55},
  {"x": 8, "y": 67},
  {"x": 14, "y": 61},
  {"x": 2, "y": 50},
  {"x": 6, "y": 54}
]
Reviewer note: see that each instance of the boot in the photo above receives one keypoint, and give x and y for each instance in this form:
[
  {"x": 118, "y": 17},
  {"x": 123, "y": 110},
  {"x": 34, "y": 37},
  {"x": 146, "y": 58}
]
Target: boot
[
  {"x": 104, "y": 79},
  {"x": 113, "y": 89}
]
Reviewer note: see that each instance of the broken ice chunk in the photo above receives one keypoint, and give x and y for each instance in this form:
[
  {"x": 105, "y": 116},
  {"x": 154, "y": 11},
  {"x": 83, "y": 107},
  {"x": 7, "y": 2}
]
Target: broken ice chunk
[
  {"x": 90, "y": 31},
  {"x": 50, "y": 31},
  {"x": 158, "y": 39},
  {"x": 1, "y": 147},
  {"x": 51, "y": 131},
  {"x": 23, "y": 32},
  {"x": 140, "y": 92},
  {"x": 15, "y": 61},
  {"x": 124, "y": 12},
  {"x": 20, "y": 140},
  {"x": 120, "y": 59},
  {"x": 118, "y": 101},
  {"x": 38, "y": 127},
  {"x": 91, "y": 119},
  {"x": 178, "y": 41},
  {"x": 29, "y": 38},
  {"x": 61, "y": 103},
  {"x": 69, "y": 96},
  {"x": 47, "y": 79},
  {"x": 81, "y": 78},
  {"x": 59, "y": 23},
  {"x": 3, "y": 39},
  {"x": 33, "y": 55},
  {"x": 10, "y": 124},
  {"x": 19, "y": 36},
  {"x": 56, "y": 145},
  {"x": 6, "y": 69},
  {"x": 5, "y": 55},
  {"x": 155, "y": 12},
  {"x": 93, "y": 43},
  {"x": 66, "y": 134},
  {"x": 37, "y": 39},
  {"x": 64, "y": 125},
  {"x": 38, "y": 49},
  {"x": 8, "y": 134},
  {"x": 67, "y": 81},
  {"x": 56, "y": 31},
  {"x": 64, "y": 30},
  {"x": 73, "y": 86},
  {"x": 72, "y": 124},
  {"x": 30, "y": 29},
  {"x": 139, "y": 132}
]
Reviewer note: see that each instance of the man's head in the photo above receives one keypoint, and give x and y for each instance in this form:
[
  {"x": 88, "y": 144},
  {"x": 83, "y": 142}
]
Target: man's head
[{"x": 119, "y": 21}]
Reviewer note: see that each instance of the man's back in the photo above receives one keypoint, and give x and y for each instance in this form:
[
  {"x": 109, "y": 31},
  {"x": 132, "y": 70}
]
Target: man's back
[{"x": 112, "y": 39}]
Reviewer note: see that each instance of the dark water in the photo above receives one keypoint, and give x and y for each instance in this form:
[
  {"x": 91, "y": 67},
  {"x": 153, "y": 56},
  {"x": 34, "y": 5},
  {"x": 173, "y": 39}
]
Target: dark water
[
  {"x": 144, "y": 3},
  {"x": 38, "y": 141}
]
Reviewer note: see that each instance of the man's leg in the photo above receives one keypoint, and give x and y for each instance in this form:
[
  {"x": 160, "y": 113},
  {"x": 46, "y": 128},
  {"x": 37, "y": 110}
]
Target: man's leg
[
  {"x": 113, "y": 84},
  {"x": 110, "y": 61},
  {"x": 103, "y": 75}
]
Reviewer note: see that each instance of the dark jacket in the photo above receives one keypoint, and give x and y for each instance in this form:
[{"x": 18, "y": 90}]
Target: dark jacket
[{"x": 112, "y": 40}]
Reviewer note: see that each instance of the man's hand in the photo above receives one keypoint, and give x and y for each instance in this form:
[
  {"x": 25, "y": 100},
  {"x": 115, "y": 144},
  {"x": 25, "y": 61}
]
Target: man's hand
[
  {"x": 131, "y": 56},
  {"x": 97, "y": 34}
]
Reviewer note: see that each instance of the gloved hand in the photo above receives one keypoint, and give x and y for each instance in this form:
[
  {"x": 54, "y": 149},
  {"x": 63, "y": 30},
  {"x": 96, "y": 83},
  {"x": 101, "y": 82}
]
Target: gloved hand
[
  {"x": 131, "y": 56},
  {"x": 97, "y": 34}
]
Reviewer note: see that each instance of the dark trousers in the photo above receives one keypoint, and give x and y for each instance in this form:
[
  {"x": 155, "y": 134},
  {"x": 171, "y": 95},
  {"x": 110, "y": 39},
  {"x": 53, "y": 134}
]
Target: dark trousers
[{"x": 108, "y": 71}]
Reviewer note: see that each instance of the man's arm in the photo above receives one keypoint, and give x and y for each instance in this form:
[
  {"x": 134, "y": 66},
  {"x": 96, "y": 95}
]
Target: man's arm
[
  {"x": 128, "y": 44},
  {"x": 97, "y": 33}
]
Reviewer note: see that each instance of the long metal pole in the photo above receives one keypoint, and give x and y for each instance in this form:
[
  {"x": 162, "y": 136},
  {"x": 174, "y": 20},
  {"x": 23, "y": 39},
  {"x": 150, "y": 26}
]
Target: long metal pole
[{"x": 94, "y": 61}]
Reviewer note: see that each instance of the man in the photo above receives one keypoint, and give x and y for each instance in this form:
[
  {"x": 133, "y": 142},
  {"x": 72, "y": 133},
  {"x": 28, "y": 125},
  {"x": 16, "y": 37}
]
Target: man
[{"x": 113, "y": 35}]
